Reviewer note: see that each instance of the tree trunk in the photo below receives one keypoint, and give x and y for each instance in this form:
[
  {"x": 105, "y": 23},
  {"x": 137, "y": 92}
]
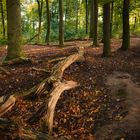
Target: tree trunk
[
  {"x": 111, "y": 18},
  {"x": 77, "y": 16},
  {"x": 126, "y": 32},
  {"x": 91, "y": 18},
  {"x": 87, "y": 13},
  {"x": 95, "y": 20},
  {"x": 13, "y": 29},
  {"x": 40, "y": 7},
  {"x": 106, "y": 29},
  {"x": 61, "y": 24},
  {"x": 48, "y": 23},
  {"x": 3, "y": 18}
]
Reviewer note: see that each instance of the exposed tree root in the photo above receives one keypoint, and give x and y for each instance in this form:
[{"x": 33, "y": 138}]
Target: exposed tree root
[{"x": 18, "y": 60}]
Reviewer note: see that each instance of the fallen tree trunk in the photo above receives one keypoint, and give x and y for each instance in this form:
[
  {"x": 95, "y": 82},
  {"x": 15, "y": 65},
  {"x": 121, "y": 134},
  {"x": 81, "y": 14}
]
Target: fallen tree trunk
[
  {"x": 6, "y": 104},
  {"x": 59, "y": 88},
  {"x": 55, "y": 87},
  {"x": 58, "y": 70}
]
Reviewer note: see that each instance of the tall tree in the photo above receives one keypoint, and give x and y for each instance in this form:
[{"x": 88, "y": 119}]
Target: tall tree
[
  {"x": 95, "y": 20},
  {"x": 87, "y": 15},
  {"x": 61, "y": 24},
  {"x": 3, "y": 18},
  {"x": 106, "y": 29},
  {"x": 40, "y": 8},
  {"x": 48, "y": 23},
  {"x": 77, "y": 15},
  {"x": 91, "y": 18},
  {"x": 111, "y": 18},
  {"x": 13, "y": 29},
  {"x": 126, "y": 30}
]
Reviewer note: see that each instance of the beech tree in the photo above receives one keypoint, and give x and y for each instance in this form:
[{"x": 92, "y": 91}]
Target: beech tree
[
  {"x": 2, "y": 18},
  {"x": 40, "y": 8},
  {"x": 48, "y": 22},
  {"x": 126, "y": 32},
  {"x": 13, "y": 29},
  {"x": 95, "y": 20},
  {"x": 91, "y": 18},
  {"x": 106, "y": 29},
  {"x": 61, "y": 24}
]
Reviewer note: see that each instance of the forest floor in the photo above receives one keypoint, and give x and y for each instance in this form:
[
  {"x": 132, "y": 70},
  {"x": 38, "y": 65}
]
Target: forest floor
[{"x": 91, "y": 109}]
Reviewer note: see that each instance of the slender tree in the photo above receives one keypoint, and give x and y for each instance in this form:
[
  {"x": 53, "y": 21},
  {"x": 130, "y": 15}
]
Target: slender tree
[
  {"x": 3, "y": 18},
  {"x": 106, "y": 30},
  {"x": 61, "y": 24},
  {"x": 48, "y": 23},
  {"x": 111, "y": 18},
  {"x": 13, "y": 29},
  {"x": 126, "y": 32},
  {"x": 91, "y": 18},
  {"x": 87, "y": 15},
  {"x": 95, "y": 20},
  {"x": 40, "y": 8},
  {"x": 77, "y": 16}
]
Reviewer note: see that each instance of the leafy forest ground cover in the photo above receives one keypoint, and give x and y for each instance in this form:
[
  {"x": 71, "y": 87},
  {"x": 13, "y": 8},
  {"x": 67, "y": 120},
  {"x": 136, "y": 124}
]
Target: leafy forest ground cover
[{"x": 82, "y": 111}]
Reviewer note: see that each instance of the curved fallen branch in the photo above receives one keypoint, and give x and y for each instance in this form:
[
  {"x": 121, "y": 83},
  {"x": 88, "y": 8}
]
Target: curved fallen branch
[
  {"x": 6, "y": 104},
  {"x": 59, "y": 87}
]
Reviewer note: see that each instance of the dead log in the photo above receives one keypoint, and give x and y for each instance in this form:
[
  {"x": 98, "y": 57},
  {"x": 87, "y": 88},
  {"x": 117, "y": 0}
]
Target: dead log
[
  {"x": 41, "y": 70},
  {"x": 56, "y": 59},
  {"x": 4, "y": 71},
  {"x": 55, "y": 84},
  {"x": 58, "y": 70},
  {"x": 58, "y": 89},
  {"x": 6, "y": 104}
]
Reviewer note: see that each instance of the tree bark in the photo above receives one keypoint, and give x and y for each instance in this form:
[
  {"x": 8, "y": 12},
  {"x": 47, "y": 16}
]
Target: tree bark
[
  {"x": 106, "y": 30},
  {"x": 126, "y": 28},
  {"x": 111, "y": 18},
  {"x": 77, "y": 16},
  {"x": 48, "y": 23},
  {"x": 87, "y": 14},
  {"x": 95, "y": 20},
  {"x": 13, "y": 29},
  {"x": 40, "y": 7},
  {"x": 3, "y": 18},
  {"x": 91, "y": 18},
  {"x": 61, "y": 24}
]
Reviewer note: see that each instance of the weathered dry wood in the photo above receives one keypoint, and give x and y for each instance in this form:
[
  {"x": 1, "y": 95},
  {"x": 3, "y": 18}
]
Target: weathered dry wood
[
  {"x": 58, "y": 89},
  {"x": 4, "y": 71},
  {"x": 58, "y": 70},
  {"x": 7, "y": 104},
  {"x": 56, "y": 59},
  {"x": 41, "y": 70}
]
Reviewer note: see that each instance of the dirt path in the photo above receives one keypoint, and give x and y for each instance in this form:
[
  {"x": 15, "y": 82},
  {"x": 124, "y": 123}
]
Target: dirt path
[{"x": 128, "y": 94}]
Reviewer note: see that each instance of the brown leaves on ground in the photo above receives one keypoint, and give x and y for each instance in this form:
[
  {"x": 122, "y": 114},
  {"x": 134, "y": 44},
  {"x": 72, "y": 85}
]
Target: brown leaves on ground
[{"x": 81, "y": 111}]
